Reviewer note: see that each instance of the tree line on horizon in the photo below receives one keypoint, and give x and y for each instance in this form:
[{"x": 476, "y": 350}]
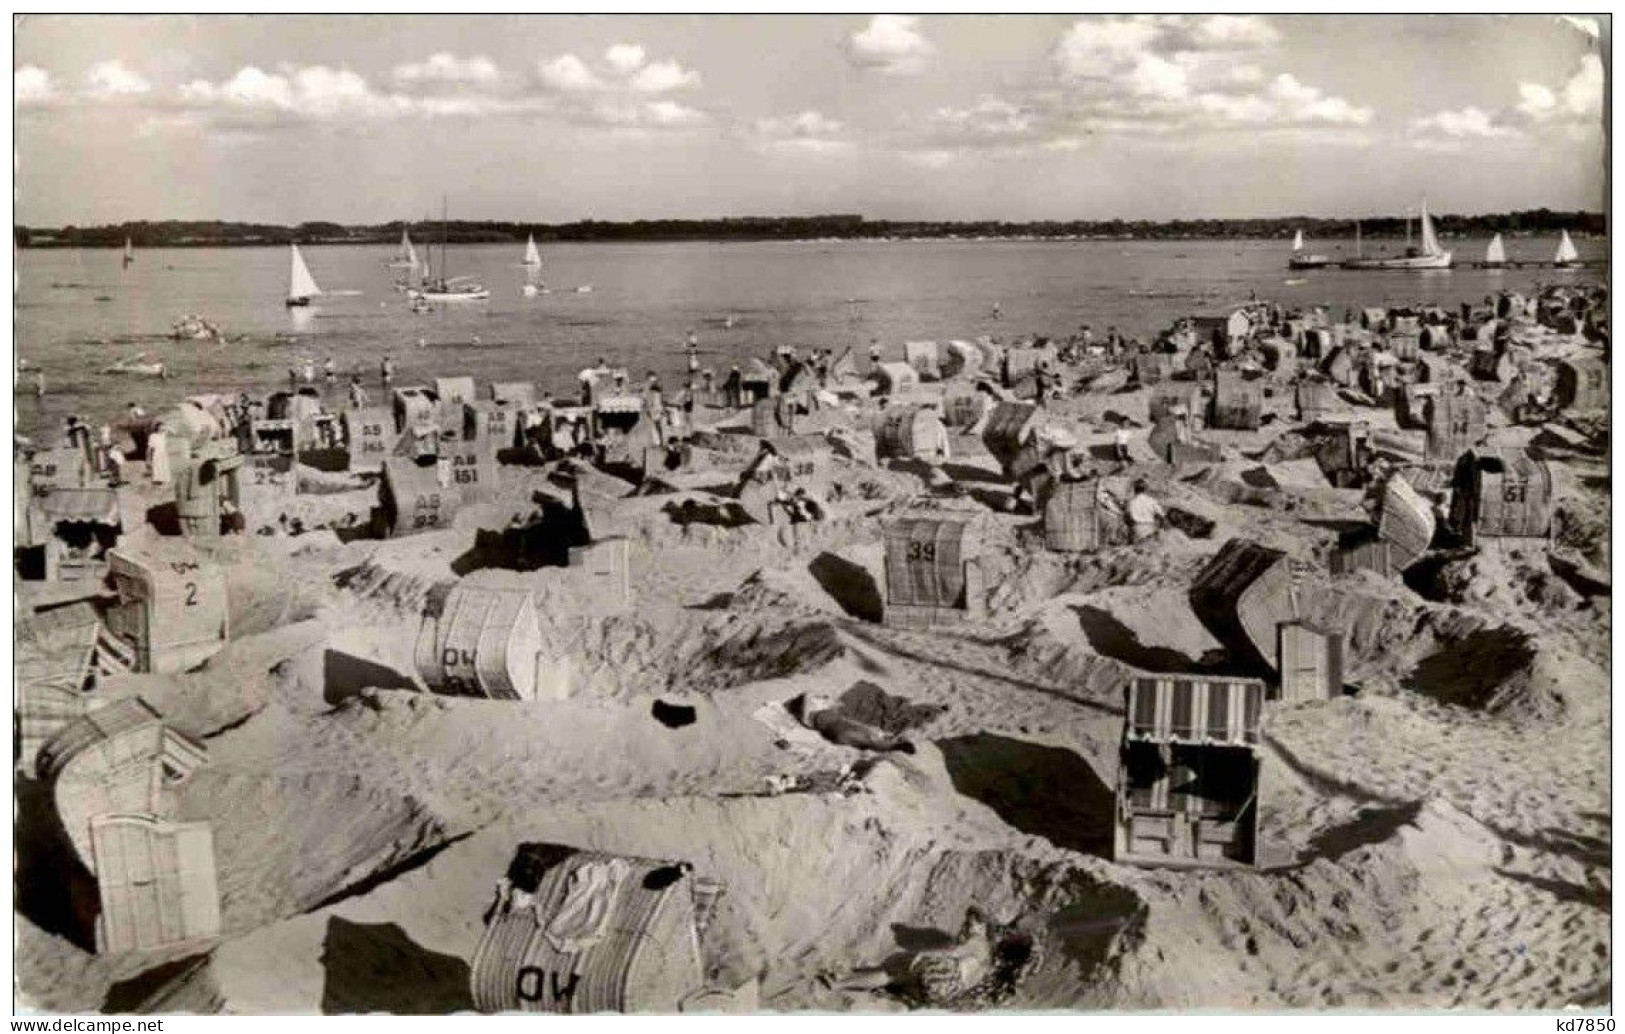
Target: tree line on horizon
[{"x": 216, "y": 233}]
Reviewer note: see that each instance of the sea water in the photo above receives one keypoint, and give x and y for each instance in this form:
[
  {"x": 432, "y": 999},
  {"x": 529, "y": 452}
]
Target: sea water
[{"x": 78, "y": 311}]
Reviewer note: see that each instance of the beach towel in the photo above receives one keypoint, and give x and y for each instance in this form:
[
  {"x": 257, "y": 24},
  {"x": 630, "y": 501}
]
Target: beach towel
[
  {"x": 583, "y": 918},
  {"x": 784, "y": 727}
]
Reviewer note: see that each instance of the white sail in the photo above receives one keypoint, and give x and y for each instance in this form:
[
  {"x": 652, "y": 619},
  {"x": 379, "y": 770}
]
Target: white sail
[
  {"x": 129, "y": 250},
  {"x": 1297, "y": 241},
  {"x": 533, "y": 257},
  {"x": 408, "y": 255},
  {"x": 1565, "y": 249},
  {"x": 1430, "y": 241},
  {"x": 300, "y": 283},
  {"x": 1496, "y": 252}
]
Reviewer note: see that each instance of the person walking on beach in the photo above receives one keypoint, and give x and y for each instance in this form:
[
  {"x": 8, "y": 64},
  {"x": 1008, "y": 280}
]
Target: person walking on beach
[
  {"x": 1120, "y": 444},
  {"x": 329, "y": 372},
  {"x": 293, "y": 378},
  {"x": 358, "y": 394},
  {"x": 386, "y": 370},
  {"x": 874, "y": 353},
  {"x": 310, "y": 371}
]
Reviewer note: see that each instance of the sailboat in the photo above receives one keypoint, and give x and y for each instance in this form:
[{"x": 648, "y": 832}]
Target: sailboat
[
  {"x": 129, "y": 253},
  {"x": 301, "y": 285},
  {"x": 1495, "y": 256},
  {"x": 533, "y": 269},
  {"x": 450, "y": 289},
  {"x": 1301, "y": 261},
  {"x": 1567, "y": 256},
  {"x": 406, "y": 256},
  {"x": 1429, "y": 256}
]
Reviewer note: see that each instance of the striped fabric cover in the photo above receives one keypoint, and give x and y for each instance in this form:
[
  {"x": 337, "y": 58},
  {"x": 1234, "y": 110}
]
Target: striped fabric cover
[
  {"x": 924, "y": 562},
  {"x": 371, "y": 433},
  {"x": 463, "y": 645},
  {"x": 1021, "y": 362},
  {"x": 907, "y": 432},
  {"x": 1195, "y": 709},
  {"x": 1316, "y": 398},
  {"x": 1237, "y": 403},
  {"x": 897, "y": 377},
  {"x": 1515, "y": 502},
  {"x": 646, "y": 961},
  {"x": 1241, "y": 595},
  {"x": 454, "y": 389},
  {"x": 1405, "y": 522},
  {"x": 157, "y": 882},
  {"x": 105, "y": 763},
  {"x": 1072, "y": 518},
  {"x": 1008, "y": 428},
  {"x": 1455, "y": 424}
]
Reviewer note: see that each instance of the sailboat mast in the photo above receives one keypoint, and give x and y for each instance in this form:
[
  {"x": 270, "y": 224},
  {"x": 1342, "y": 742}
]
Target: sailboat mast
[{"x": 1359, "y": 251}]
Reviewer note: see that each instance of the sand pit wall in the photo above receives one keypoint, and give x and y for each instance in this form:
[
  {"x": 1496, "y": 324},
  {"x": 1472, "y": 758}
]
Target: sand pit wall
[
  {"x": 286, "y": 844},
  {"x": 815, "y": 885}
]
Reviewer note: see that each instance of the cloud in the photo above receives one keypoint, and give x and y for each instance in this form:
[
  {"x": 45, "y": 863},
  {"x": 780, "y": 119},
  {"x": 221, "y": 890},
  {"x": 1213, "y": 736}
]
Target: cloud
[
  {"x": 1577, "y": 100},
  {"x": 1168, "y": 78},
  {"x": 663, "y": 77},
  {"x": 991, "y": 120},
  {"x": 808, "y": 132},
  {"x": 31, "y": 85},
  {"x": 625, "y": 58},
  {"x": 1466, "y": 123},
  {"x": 444, "y": 70},
  {"x": 892, "y": 45},
  {"x": 290, "y": 95},
  {"x": 110, "y": 80},
  {"x": 1570, "y": 112},
  {"x": 1298, "y": 103},
  {"x": 622, "y": 91},
  {"x": 1232, "y": 32},
  {"x": 569, "y": 74},
  {"x": 625, "y": 67},
  {"x": 671, "y": 114},
  {"x": 1162, "y": 73}
]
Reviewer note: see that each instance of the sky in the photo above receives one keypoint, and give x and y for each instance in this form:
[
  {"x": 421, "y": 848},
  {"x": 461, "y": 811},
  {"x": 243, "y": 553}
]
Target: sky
[{"x": 365, "y": 119}]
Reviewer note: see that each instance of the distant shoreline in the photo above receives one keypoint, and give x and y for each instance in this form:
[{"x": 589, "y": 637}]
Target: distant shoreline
[
  {"x": 821, "y": 229},
  {"x": 352, "y": 243}
]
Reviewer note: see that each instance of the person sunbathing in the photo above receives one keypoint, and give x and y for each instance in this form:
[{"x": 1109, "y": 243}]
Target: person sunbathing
[{"x": 820, "y": 714}]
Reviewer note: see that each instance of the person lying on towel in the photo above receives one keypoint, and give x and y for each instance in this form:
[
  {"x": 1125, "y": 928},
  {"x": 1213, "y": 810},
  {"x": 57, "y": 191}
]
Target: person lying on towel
[{"x": 823, "y": 716}]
